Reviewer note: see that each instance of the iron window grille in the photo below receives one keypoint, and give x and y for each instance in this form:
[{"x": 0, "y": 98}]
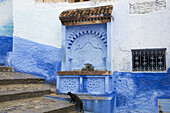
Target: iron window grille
[{"x": 149, "y": 59}]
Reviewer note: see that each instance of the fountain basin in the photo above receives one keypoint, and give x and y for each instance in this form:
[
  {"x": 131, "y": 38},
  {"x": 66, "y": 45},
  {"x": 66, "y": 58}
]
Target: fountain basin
[{"x": 84, "y": 82}]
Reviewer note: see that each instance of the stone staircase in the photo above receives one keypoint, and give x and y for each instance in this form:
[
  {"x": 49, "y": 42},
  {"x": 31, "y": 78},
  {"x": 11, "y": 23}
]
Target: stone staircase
[{"x": 24, "y": 93}]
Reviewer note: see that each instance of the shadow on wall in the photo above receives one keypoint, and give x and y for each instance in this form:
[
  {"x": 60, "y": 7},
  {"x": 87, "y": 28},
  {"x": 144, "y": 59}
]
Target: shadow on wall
[
  {"x": 138, "y": 92},
  {"x": 36, "y": 59}
]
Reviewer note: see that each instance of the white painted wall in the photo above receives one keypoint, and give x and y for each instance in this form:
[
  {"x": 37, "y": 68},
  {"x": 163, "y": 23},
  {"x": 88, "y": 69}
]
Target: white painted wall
[
  {"x": 140, "y": 1},
  {"x": 5, "y": 17},
  {"x": 40, "y": 22},
  {"x": 139, "y": 31}
]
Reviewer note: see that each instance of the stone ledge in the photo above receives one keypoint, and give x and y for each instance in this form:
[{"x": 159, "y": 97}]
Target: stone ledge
[
  {"x": 83, "y": 72},
  {"x": 6, "y": 69},
  {"x": 81, "y": 96}
]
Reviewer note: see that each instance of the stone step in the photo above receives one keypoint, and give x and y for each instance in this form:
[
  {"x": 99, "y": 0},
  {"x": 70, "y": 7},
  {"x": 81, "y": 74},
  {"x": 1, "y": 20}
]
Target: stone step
[
  {"x": 20, "y": 91},
  {"x": 81, "y": 96},
  {"x": 6, "y": 69},
  {"x": 36, "y": 105},
  {"x": 91, "y": 104},
  {"x": 18, "y": 78}
]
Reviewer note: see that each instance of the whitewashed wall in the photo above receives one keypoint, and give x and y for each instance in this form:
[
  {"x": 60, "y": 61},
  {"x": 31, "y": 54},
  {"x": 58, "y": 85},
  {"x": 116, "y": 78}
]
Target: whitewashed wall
[
  {"x": 40, "y": 22},
  {"x": 138, "y": 31},
  {"x": 6, "y": 18}
]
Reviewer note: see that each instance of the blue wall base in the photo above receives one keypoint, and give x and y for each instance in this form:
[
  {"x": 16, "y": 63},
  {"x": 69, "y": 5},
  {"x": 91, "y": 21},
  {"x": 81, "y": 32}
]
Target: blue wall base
[
  {"x": 139, "y": 92},
  {"x": 36, "y": 59},
  {"x": 5, "y": 47}
]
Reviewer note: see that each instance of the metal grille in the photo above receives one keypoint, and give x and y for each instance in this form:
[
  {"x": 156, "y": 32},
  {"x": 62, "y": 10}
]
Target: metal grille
[{"x": 149, "y": 60}]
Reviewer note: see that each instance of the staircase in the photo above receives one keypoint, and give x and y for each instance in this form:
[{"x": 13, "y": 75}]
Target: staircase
[{"x": 24, "y": 93}]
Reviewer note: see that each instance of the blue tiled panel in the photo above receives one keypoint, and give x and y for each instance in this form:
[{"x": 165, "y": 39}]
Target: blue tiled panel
[
  {"x": 139, "y": 92},
  {"x": 37, "y": 59},
  {"x": 5, "y": 47}
]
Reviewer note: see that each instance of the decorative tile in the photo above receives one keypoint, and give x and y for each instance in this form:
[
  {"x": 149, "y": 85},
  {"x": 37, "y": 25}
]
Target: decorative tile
[
  {"x": 69, "y": 84},
  {"x": 94, "y": 85}
]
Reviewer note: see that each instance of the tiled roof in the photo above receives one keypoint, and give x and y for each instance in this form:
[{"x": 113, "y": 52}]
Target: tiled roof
[{"x": 88, "y": 14}]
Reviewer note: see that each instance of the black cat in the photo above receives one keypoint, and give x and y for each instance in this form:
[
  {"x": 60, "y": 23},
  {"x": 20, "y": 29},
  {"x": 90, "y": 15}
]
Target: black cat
[{"x": 76, "y": 99}]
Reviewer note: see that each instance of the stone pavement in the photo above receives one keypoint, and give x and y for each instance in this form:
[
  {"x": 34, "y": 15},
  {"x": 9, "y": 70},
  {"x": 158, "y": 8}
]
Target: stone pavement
[
  {"x": 24, "y": 93},
  {"x": 36, "y": 105}
]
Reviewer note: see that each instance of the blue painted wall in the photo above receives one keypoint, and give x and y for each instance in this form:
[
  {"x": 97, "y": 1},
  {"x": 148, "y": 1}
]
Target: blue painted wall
[
  {"x": 5, "y": 47},
  {"x": 138, "y": 92},
  {"x": 36, "y": 59},
  {"x": 6, "y": 30}
]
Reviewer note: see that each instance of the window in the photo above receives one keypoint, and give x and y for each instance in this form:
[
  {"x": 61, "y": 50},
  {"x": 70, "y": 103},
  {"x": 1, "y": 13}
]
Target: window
[{"x": 149, "y": 60}]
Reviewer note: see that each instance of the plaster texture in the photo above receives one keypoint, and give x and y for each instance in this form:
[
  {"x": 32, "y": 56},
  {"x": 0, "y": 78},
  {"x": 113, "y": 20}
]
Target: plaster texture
[
  {"x": 6, "y": 30},
  {"x": 44, "y": 19},
  {"x": 85, "y": 44},
  {"x": 144, "y": 31},
  {"x": 6, "y": 18},
  {"x": 5, "y": 48},
  {"x": 147, "y": 7},
  {"x": 139, "y": 92},
  {"x": 136, "y": 92},
  {"x": 37, "y": 59}
]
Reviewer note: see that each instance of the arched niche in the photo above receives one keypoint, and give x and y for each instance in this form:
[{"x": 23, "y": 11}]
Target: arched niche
[{"x": 87, "y": 47}]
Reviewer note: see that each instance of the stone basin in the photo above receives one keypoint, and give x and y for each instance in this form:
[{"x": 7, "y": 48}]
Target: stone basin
[{"x": 84, "y": 82}]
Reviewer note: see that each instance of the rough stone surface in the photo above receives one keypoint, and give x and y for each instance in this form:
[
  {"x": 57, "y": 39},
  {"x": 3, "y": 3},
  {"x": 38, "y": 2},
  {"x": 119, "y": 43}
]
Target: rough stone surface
[
  {"x": 36, "y": 59},
  {"x": 18, "y": 88},
  {"x": 15, "y": 75},
  {"x": 147, "y": 7},
  {"x": 36, "y": 105},
  {"x": 6, "y": 69},
  {"x": 27, "y": 98},
  {"x": 138, "y": 92},
  {"x": 84, "y": 97},
  {"x": 91, "y": 104}
]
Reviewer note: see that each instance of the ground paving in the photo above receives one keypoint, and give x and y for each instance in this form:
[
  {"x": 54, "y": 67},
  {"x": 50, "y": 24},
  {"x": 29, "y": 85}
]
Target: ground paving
[{"x": 35, "y": 105}]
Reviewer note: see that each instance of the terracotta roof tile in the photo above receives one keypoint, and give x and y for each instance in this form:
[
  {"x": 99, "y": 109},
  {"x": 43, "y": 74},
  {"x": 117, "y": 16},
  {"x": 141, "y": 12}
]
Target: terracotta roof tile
[{"x": 87, "y": 12}]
